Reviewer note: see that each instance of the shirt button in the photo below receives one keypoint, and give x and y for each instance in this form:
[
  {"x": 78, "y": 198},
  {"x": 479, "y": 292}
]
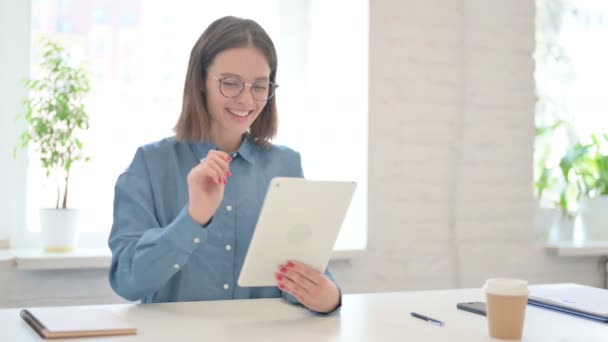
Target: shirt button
[
  {"x": 176, "y": 266},
  {"x": 197, "y": 240},
  {"x": 234, "y": 155},
  {"x": 228, "y": 208},
  {"x": 226, "y": 286},
  {"x": 228, "y": 247}
]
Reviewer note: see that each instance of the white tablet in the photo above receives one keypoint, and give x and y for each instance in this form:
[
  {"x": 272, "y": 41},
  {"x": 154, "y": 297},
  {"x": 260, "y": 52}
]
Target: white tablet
[{"x": 300, "y": 220}]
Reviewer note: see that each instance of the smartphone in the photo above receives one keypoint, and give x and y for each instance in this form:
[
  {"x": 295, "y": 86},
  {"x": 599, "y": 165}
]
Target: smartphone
[{"x": 474, "y": 307}]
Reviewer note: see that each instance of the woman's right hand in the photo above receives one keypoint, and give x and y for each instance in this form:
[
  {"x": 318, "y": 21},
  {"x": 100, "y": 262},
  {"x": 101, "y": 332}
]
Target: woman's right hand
[{"x": 206, "y": 183}]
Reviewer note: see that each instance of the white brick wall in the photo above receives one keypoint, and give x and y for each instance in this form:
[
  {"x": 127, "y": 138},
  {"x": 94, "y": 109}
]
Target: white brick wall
[{"x": 451, "y": 135}]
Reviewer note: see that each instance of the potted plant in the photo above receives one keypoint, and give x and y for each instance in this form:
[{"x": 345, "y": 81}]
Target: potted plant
[
  {"x": 549, "y": 223},
  {"x": 55, "y": 115},
  {"x": 585, "y": 172}
]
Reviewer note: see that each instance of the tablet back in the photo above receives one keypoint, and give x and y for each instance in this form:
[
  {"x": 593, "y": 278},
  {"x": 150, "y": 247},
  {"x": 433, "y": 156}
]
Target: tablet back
[{"x": 300, "y": 220}]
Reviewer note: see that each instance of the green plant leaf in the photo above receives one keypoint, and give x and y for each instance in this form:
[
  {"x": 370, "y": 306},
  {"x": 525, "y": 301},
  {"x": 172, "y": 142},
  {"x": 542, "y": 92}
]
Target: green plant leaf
[
  {"x": 563, "y": 202},
  {"x": 54, "y": 112},
  {"x": 543, "y": 181},
  {"x": 573, "y": 156}
]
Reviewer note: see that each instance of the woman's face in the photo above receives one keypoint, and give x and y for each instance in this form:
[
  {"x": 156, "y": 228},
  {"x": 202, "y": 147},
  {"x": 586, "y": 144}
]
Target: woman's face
[{"x": 232, "y": 116}]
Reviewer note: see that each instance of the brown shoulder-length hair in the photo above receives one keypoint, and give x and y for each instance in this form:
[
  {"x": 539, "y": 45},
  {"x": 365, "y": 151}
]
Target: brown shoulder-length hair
[{"x": 225, "y": 33}]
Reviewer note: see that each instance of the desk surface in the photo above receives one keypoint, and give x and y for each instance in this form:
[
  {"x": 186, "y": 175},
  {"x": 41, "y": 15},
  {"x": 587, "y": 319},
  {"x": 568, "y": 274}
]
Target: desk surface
[{"x": 364, "y": 317}]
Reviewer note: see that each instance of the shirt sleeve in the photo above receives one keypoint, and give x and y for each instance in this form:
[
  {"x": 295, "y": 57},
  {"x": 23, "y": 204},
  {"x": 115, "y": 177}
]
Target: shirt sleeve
[
  {"x": 298, "y": 164},
  {"x": 144, "y": 254}
]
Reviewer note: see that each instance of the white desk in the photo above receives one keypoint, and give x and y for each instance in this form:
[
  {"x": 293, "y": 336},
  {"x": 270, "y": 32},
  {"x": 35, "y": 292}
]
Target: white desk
[{"x": 364, "y": 317}]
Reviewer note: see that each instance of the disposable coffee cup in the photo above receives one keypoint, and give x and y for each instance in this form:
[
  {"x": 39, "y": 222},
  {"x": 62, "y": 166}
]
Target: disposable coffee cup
[{"x": 506, "y": 301}]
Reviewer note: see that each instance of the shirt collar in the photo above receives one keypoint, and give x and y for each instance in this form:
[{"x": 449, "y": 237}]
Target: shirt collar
[{"x": 246, "y": 150}]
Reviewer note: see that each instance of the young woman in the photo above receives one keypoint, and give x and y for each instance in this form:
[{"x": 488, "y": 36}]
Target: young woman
[{"x": 186, "y": 207}]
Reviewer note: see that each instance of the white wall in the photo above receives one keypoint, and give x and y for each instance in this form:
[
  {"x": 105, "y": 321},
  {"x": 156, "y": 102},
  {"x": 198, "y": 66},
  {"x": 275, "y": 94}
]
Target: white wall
[
  {"x": 14, "y": 44},
  {"x": 19, "y": 288},
  {"x": 451, "y": 133},
  {"x": 450, "y": 159}
]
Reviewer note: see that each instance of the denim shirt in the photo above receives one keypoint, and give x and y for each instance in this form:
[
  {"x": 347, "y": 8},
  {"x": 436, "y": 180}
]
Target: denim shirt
[{"x": 159, "y": 254}]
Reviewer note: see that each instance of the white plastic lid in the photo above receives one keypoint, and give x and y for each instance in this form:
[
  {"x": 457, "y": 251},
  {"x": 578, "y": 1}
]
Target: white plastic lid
[{"x": 506, "y": 287}]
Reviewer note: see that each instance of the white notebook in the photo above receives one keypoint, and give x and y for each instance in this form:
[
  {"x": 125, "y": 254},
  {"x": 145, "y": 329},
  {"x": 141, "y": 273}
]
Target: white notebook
[
  {"x": 581, "y": 298},
  {"x": 75, "y": 321}
]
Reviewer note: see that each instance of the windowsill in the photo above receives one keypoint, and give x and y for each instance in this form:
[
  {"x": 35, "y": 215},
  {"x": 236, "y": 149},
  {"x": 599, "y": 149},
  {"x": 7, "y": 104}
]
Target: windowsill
[
  {"x": 36, "y": 259},
  {"x": 574, "y": 248},
  {"x": 90, "y": 258}
]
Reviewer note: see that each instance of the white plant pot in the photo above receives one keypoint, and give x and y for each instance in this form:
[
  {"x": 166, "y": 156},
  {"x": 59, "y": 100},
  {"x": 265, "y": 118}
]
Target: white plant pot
[
  {"x": 545, "y": 219},
  {"x": 562, "y": 228},
  {"x": 59, "y": 228},
  {"x": 593, "y": 214}
]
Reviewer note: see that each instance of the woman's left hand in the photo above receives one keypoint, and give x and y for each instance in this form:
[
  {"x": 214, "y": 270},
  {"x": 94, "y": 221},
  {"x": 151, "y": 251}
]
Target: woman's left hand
[{"x": 309, "y": 286}]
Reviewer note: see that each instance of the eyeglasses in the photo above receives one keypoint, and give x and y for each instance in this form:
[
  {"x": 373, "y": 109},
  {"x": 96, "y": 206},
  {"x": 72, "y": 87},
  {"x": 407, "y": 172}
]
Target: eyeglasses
[{"x": 232, "y": 87}]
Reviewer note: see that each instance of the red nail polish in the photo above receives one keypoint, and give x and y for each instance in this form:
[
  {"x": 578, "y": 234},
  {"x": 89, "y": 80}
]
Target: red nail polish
[
  {"x": 283, "y": 269},
  {"x": 225, "y": 182},
  {"x": 228, "y": 174},
  {"x": 228, "y": 158},
  {"x": 279, "y": 277},
  {"x": 290, "y": 264},
  {"x": 281, "y": 286}
]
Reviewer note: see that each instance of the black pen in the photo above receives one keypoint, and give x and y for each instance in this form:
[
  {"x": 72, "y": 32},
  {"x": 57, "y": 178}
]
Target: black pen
[{"x": 428, "y": 319}]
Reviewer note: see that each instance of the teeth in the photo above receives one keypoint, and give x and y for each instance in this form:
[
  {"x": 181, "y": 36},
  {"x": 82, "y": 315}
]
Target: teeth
[{"x": 238, "y": 112}]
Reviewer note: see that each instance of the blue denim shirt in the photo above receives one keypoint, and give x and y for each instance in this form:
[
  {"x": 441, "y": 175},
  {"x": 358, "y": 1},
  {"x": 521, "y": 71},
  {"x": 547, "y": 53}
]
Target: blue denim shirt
[{"x": 159, "y": 254}]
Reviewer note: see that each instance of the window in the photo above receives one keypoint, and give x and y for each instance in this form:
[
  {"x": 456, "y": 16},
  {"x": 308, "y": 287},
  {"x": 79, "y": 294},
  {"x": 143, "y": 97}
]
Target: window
[
  {"x": 137, "y": 54},
  {"x": 571, "y": 70}
]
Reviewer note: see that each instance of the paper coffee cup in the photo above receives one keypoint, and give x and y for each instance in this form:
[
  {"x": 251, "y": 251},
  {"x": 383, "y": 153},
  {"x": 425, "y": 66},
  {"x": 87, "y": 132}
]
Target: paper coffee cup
[{"x": 506, "y": 301}]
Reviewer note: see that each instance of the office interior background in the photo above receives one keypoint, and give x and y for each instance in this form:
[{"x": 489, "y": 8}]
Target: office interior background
[{"x": 431, "y": 106}]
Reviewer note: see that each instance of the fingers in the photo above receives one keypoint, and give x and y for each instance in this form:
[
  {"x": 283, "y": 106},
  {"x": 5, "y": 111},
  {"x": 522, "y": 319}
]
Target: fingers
[
  {"x": 214, "y": 171},
  {"x": 306, "y": 271},
  {"x": 221, "y": 154},
  {"x": 302, "y": 281},
  {"x": 318, "y": 295},
  {"x": 294, "y": 289},
  {"x": 309, "y": 286},
  {"x": 222, "y": 159},
  {"x": 217, "y": 166}
]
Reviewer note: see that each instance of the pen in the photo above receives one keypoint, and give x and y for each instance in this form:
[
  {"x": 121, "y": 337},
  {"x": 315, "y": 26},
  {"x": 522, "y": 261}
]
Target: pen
[{"x": 428, "y": 319}]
